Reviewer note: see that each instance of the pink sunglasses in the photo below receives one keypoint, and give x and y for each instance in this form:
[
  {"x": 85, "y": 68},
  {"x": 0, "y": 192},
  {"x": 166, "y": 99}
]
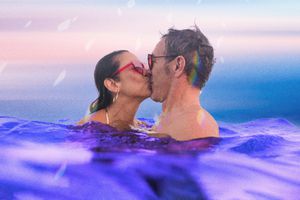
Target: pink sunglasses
[{"x": 137, "y": 67}]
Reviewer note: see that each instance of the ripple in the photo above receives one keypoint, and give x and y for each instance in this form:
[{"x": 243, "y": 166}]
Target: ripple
[{"x": 259, "y": 143}]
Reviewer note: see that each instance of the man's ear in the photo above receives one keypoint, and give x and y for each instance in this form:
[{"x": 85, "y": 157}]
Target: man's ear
[
  {"x": 180, "y": 66},
  {"x": 112, "y": 85}
]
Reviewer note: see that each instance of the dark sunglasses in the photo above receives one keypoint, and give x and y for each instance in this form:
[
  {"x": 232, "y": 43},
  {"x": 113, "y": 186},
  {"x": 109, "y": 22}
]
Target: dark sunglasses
[
  {"x": 136, "y": 66},
  {"x": 151, "y": 58}
]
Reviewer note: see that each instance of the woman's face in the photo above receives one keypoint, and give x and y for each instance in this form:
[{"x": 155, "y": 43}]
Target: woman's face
[{"x": 133, "y": 83}]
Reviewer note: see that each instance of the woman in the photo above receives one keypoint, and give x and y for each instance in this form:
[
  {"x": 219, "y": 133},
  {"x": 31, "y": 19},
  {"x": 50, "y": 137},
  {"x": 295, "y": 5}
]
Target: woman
[{"x": 123, "y": 83}]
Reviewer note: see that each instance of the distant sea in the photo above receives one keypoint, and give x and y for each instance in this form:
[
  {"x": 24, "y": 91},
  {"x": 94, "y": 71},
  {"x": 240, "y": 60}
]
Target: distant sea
[{"x": 239, "y": 90}]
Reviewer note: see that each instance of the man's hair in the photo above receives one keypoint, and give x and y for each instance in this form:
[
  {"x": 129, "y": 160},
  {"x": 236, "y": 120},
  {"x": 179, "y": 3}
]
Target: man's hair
[{"x": 197, "y": 51}]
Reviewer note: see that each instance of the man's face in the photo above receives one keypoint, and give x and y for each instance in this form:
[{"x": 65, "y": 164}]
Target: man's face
[{"x": 161, "y": 76}]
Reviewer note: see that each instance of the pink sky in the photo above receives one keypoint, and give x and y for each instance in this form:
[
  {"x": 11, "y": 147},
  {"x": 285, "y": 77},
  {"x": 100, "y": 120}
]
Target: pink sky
[
  {"x": 42, "y": 43},
  {"x": 86, "y": 46},
  {"x": 81, "y": 33}
]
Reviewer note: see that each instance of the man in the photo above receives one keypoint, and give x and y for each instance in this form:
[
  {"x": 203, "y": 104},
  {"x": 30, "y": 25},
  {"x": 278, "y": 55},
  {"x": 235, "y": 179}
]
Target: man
[{"x": 180, "y": 65}]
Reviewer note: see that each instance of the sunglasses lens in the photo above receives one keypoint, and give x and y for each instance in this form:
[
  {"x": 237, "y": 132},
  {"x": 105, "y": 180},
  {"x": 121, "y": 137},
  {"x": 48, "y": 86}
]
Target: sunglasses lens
[{"x": 140, "y": 70}]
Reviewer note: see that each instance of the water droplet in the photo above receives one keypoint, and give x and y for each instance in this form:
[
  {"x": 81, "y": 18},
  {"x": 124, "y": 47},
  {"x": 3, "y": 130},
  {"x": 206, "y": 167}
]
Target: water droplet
[
  {"x": 61, "y": 171},
  {"x": 222, "y": 59},
  {"x": 219, "y": 41},
  {"x": 2, "y": 66},
  {"x": 170, "y": 17},
  {"x": 120, "y": 12},
  {"x": 64, "y": 25},
  {"x": 130, "y": 3},
  {"x": 74, "y": 19},
  {"x": 138, "y": 44},
  {"x": 224, "y": 25},
  {"x": 28, "y": 24},
  {"x": 89, "y": 44},
  {"x": 60, "y": 78}
]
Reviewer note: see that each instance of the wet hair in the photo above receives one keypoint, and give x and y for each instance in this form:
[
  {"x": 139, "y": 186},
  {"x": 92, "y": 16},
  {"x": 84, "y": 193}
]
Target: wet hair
[
  {"x": 197, "y": 51},
  {"x": 104, "y": 69}
]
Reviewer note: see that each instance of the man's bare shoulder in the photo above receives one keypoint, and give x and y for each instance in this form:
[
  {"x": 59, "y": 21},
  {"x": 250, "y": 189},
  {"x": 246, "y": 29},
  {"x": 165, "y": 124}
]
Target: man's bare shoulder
[
  {"x": 210, "y": 124},
  {"x": 193, "y": 126}
]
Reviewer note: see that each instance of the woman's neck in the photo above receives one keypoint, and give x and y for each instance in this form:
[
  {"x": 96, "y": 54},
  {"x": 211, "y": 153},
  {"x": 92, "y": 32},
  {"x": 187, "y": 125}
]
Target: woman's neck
[{"x": 122, "y": 112}]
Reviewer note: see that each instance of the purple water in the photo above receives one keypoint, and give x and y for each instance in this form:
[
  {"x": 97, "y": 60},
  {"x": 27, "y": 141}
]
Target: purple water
[{"x": 255, "y": 160}]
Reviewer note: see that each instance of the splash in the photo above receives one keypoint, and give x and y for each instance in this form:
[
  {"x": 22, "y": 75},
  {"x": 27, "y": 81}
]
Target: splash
[{"x": 48, "y": 154}]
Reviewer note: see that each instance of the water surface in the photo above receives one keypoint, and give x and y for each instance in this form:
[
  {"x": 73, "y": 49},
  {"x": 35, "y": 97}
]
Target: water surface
[{"x": 254, "y": 160}]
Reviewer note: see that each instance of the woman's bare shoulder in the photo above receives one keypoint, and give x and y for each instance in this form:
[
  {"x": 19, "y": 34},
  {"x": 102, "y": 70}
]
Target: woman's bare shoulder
[{"x": 96, "y": 116}]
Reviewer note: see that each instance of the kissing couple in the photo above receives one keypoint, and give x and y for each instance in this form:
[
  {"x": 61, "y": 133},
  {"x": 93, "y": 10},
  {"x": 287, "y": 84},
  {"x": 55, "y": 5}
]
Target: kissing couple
[{"x": 178, "y": 68}]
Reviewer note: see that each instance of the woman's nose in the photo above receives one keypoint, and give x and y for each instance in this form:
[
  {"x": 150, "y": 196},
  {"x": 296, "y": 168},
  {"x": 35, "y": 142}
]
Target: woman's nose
[
  {"x": 147, "y": 70},
  {"x": 148, "y": 73}
]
